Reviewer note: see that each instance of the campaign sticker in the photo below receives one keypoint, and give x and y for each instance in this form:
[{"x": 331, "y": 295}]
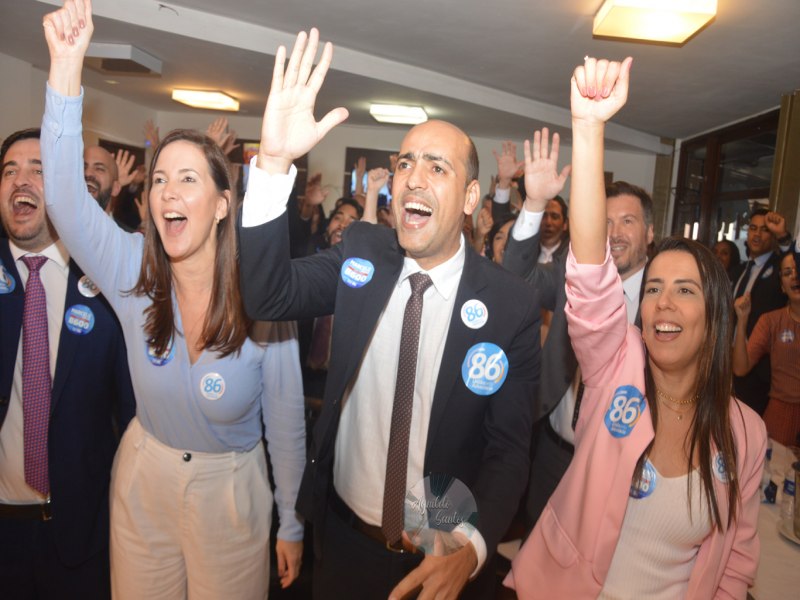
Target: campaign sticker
[
  {"x": 87, "y": 287},
  {"x": 440, "y": 514},
  {"x": 212, "y": 386},
  {"x": 767, "y": 272},
  {"x": 357, "y": 272},
  {"x": 718, "y": 467},
  {"x": 646, "y": 486},
  {"x": 160, "y": 360},
  {"x": 626, "y": 407},
  {"x": 485, "y": 368},
  {"x": 79, "y": 319},
  {"x": 787, "y": 336},
  {"x": 474, "y": 314},
  {"x": 7, "y": 282}
]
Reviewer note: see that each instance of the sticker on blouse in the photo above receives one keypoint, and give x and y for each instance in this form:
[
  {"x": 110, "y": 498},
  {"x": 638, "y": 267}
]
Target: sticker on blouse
[
  {"x": 485, "y": 368},
  {"x": 626, "y": 407},
  {"x": 357, "y": 272},
  {"x": 787, "y": 336},
  {"x": 162, "y": 359},
  {"x": 767, "y": 272},
  {"x": 718, "y": 467},
  {"x": 79, "y": 319},
  {"x": 87, "y": 287},
  {"x": 474, "y": 314},
  {"x": 212, "y": 386},
  {"x": 647, "y": 484},
  {"x": 7, "y": 282}
]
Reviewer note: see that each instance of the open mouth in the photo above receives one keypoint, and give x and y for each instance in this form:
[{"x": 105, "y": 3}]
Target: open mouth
[
  {"x": 175, "y": 222},
  {"x": 93, "y": 187},
  {"x": 24, "y": 205},
  {"x": 667, "y": 331},
  {"x": 416, "y": 213}
]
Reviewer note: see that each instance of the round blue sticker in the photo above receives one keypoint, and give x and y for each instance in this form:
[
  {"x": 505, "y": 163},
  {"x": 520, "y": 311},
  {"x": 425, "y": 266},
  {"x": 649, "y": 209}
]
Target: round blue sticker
[
  {"x": 212, "y": 386},
  {"x": 357, "y": 272},
  {"x": 645, "y": 487},
  {"x": 485, "y": 368},
  {"x": 7, "y": 282},
  {"x": 160, "y": 360},
  {"x": 626, "y": 407},
  {"x": 79, "y": 319}
]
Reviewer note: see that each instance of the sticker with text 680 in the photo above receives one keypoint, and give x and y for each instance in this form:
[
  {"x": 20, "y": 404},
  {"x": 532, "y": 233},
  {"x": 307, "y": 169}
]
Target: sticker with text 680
[
  {"x": 485, "y": 368},
  {"x": 626, "y": 407}
]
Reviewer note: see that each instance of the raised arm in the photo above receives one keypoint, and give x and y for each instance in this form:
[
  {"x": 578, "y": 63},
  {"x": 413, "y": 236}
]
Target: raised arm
[
  {"x": 376, "y": 179},
  {"x": 543, "y": 182},
  {"x": 599, "y": 88}
]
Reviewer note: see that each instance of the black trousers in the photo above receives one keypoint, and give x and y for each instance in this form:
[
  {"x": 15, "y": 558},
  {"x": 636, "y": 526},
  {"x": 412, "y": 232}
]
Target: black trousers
[{"x": 31, "y": 569}]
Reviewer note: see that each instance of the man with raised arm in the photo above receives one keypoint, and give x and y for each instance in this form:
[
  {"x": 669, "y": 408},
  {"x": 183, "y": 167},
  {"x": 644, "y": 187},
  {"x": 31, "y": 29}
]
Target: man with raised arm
[{"x": 434, "y": 357}]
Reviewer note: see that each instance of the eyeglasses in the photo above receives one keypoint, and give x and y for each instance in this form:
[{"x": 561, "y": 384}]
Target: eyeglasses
[{"x": 788, "y": 272}]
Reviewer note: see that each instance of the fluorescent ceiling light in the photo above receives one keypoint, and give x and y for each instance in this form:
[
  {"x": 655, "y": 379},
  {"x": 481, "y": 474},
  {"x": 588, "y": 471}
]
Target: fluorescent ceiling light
[
  {"x": 395, "y": 113},
  {"x": 670, "y": 21},
  {"x": 205, "y": 99}
]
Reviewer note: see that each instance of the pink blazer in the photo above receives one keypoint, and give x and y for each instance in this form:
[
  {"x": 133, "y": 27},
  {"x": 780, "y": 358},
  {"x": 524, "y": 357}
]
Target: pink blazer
[{"x": 569, "y": 552}]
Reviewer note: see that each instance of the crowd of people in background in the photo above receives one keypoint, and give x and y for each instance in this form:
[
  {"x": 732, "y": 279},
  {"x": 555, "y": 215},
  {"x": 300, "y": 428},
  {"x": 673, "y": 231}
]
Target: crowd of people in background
[{"x": 211, "y": 328}]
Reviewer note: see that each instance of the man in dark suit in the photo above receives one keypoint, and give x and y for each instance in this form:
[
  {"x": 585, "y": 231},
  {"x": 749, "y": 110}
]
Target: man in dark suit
[
  {"x": 760, "y": 277},
  {"x": 471, "y": 381},
  {"x": 54, "y": 470}
]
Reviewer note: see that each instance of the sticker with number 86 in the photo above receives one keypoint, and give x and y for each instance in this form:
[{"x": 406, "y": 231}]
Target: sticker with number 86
[
  {"x": 626, "y": 408},
  {"x": 212, "y": 386}
]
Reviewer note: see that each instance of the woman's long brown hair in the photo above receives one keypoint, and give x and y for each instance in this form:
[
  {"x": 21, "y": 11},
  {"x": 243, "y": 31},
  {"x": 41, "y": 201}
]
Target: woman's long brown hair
[
  {"x": 711, "y": 425},
  {"x": 225, "y": 326}
]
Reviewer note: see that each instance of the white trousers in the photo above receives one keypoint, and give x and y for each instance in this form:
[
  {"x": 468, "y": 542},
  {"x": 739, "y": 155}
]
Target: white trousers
[{"x": 196, "y": 528}]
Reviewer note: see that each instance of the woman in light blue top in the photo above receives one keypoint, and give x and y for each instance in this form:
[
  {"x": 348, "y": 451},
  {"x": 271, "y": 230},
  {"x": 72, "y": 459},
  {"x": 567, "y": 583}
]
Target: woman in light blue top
[{"x": 191, "y": 503}]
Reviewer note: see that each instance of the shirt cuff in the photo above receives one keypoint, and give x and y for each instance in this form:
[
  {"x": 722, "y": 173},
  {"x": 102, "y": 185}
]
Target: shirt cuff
[
  {"x": 62, "y": 114},
  {"x": 527, "y": 225},
  {"x": 478, "y": 543},
  {"x": 266, "y": 196},
  {"x": 502, "y": 195}
]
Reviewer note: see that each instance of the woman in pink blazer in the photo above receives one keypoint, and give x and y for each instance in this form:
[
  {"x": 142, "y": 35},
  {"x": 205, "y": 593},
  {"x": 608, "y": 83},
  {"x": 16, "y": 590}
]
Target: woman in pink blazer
[{"x": 661, "y": 498}]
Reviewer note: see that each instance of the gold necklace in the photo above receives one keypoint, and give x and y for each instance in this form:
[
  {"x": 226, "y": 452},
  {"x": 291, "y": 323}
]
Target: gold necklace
[
  {"x": 662, "y": 396},
  {"x": 679, "y": 413}
]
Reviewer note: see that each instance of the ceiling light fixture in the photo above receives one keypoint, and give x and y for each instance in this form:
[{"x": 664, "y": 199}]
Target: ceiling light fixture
[
  {"x": 396, "y": 113},
  {"x": 669, "y": 21},
  {"x": 205, "y": 99}
]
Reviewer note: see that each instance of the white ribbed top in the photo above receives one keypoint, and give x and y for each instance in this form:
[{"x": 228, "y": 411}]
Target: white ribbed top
[{"x": 659, "y": 540}]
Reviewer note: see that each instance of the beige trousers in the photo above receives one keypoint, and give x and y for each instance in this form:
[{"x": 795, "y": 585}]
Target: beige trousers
[{"x": 196, "y": 528}]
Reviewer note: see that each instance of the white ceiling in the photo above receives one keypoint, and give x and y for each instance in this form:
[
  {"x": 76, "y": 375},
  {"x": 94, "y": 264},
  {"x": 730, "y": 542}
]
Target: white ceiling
[{"x": 498, "y": 69}]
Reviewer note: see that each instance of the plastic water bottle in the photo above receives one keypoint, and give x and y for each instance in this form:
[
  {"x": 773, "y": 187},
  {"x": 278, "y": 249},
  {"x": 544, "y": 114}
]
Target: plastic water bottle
[{"x": 767, "y": 490}]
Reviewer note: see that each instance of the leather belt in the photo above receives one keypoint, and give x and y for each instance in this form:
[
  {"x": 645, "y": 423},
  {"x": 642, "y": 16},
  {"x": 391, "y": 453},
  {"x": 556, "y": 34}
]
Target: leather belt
[
  {"x": 373, "y": 532},
  {"x": 557, "y": 439},
  {"x": 35, "y": 512}
]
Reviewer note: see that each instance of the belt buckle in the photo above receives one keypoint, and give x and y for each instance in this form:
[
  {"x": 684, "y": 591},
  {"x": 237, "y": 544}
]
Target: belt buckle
[
  {"x": 47, "y": 515},
  {"x": 406, "y": 547}
]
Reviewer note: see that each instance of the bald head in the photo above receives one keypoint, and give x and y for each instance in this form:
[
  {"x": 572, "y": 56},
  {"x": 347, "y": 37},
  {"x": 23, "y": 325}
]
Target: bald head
[
  {"x": 101, "y": 175},
  {"x": 462, "y": 143}
]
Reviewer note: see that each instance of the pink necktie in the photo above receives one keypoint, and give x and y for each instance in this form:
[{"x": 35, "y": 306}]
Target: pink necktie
[
  {"x": 36, "y": 388},
  {"x": 394, "y": 492}
]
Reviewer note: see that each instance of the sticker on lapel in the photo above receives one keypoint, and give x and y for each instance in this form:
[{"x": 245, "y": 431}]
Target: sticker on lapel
[
  {"x": 474, "y": 314},
  {"x": 787, "y": 336},
  {"x": 484, "y": 369},
  {"x": 162, "y": 359},
  {"x": 357, "y": 272},
  {"x": 7, "y": 282},
  {"x": 626, "y": 407},
  {"x": 718, "y": 467},
  {"x": 212, "y": 386},
  {"x": 87, "y": 288},
  {"x": 767, "y": 272},
  {"x": 79, "y": 319},
  {"x": 645, "y": 487}
]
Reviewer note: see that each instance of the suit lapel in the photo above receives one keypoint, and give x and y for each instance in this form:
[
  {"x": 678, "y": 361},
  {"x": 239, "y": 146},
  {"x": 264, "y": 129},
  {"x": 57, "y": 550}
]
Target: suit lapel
[
  {"x": 459, "y": 339},
  {"x": 68, "y": 342},
  {"x": 10, "y": 321}
]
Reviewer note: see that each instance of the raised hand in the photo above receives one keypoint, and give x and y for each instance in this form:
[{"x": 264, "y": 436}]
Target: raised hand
[
  {"x": 151, "y": 137},
  {"x": 776, "y": 224},
  {"x": 315, "y": 193},
  {"x": 599, "y": 88},
  {"x": 376, "y": 179},
  {"x": 542, "y": 179},
  {"x": 125, "y": 171},
  {"x": 68, "y": 32},
  {"x": 742, "y": 307},
  {"x": 289, "y": 129},
  {"x": 507, "y": 163}
]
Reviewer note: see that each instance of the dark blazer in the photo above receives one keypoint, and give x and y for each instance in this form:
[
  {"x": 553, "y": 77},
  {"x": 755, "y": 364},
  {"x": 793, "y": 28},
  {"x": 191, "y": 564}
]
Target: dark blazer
[
  {"x": 481, "y": 440},
  {"x": 558, "y": 359},
  {"x": 765, "y": 296},
  {"x": 91, "y": 405}
]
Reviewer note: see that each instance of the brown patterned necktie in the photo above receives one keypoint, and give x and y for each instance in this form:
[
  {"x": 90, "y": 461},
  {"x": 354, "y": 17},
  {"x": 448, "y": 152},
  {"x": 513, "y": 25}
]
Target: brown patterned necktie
[{"x": 397, "y": 458}]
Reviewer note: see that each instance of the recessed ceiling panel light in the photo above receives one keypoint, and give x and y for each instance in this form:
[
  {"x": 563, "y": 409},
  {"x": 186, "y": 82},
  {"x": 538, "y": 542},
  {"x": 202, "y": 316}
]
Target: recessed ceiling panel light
[
  {"x": 205, "y": 99},
  {"x": 668, "y": 21},
  {"x": 395, "y": 113}
]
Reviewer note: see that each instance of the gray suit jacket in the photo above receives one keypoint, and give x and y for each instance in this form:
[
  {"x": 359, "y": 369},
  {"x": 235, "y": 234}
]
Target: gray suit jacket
[{"x": 558, "y": 359}]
